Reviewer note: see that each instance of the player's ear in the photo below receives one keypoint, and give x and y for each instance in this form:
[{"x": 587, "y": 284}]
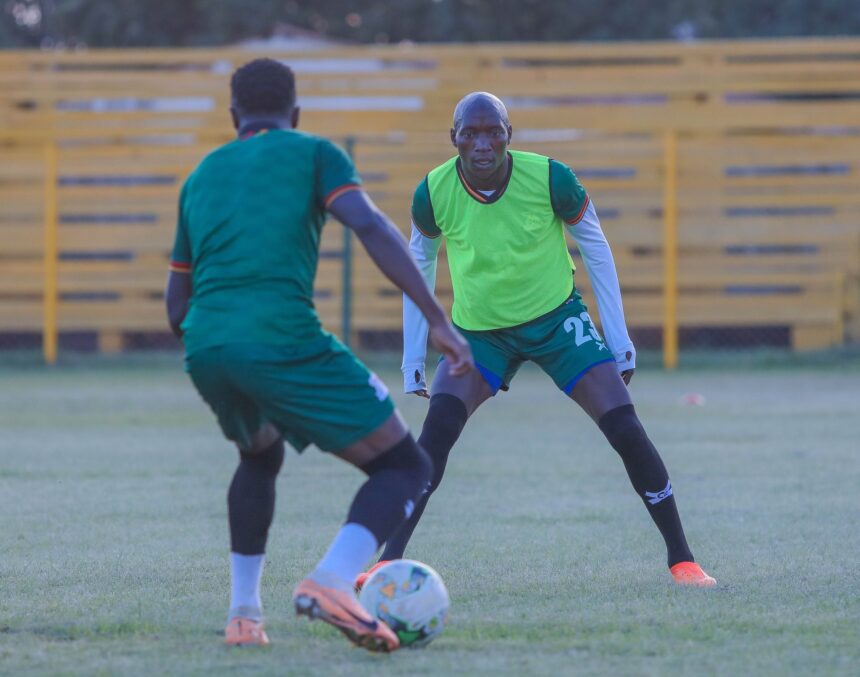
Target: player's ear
[
  {"x": 294, "y": 117},
  {"x": 510, "y": 134},
  {"x": 453, "y": 137},
  {"x": 234, "y": 115}
]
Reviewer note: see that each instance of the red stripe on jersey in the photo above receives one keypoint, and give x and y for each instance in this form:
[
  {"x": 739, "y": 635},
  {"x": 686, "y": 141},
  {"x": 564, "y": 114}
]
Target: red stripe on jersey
[
  {"x": 427, "y": 235},
  {"x": 480, "y": 197},
  {"x": 576, "y": 219},
  {"x": 180, "y": 267},
  {"x": 337, "y": 192},
  {"x": 250, "y": 135}
]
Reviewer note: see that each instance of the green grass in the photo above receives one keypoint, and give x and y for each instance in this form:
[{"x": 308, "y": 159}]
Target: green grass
[{"x": 113, "y": 540}]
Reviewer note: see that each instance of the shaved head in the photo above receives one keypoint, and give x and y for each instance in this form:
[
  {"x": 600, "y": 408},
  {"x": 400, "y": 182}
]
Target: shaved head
[
  {"x": 481, "y": 135},
  {"x": 479, "y": 100}
]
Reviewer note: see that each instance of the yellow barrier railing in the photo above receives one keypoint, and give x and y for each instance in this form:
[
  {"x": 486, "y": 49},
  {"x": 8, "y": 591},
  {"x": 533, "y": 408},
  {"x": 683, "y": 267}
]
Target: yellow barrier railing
[
  {"x": 708, "y": 163},
  {"x": 670, "y": 250},
  {"x": 49, "y": 332}
]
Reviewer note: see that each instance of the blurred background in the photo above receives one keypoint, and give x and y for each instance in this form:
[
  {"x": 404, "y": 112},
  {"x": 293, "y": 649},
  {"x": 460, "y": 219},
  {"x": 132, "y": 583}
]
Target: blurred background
[{"x": 720, "y": 142}]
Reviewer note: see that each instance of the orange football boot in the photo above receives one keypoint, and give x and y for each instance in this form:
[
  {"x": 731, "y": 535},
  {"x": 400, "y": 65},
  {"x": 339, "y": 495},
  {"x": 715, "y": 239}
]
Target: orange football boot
[
  {"x": 245, "y": 632},
  {"x": 342, "y": 610},
  {"x": 361, "y": 579},
  {"x": 690, "y": 573}
]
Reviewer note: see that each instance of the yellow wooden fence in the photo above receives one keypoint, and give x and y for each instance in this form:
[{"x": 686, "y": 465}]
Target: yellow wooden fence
[{"x": 725, "y": 173}]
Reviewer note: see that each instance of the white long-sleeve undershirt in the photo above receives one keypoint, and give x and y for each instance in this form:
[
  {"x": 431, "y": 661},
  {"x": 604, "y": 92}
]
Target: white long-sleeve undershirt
[
  {"x": 599, "y": 265},
  {"x": 425, "y": 251}
]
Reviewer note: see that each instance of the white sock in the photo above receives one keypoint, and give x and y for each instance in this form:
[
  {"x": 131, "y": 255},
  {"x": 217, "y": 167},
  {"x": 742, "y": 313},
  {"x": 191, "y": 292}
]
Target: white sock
[
  {"x": 245, "y": 574},
  {"x": 350, "y": 550}
]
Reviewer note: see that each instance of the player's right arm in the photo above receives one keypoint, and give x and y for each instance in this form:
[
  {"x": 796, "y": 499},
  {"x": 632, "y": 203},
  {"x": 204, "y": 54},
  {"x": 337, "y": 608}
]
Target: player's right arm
[
  {"x": 424, "y": 245},
  {"x": 388, "y": 250},
  {"x": 177, "y": 296},
  {"x": 425, "y": 251}
]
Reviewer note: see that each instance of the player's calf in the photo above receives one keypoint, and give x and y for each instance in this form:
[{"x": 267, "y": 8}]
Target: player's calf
[
  {"x": 251, "y": 507},
  {"x": 251, "y": 498},
  {"x": 445, "y": 421},
  {"x": 395, "y": 482},
  {"x": 648, "y": 476}
]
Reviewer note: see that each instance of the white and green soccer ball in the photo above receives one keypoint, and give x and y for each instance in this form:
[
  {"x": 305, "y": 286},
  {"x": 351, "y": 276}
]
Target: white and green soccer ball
[{"x": 410, "y": 598}]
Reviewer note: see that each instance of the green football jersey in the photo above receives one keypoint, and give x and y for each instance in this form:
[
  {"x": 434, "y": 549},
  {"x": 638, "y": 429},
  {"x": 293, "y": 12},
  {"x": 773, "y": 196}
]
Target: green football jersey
[
  {"x": 250, "y": 218},
  {"x": 507, "y": 252}
]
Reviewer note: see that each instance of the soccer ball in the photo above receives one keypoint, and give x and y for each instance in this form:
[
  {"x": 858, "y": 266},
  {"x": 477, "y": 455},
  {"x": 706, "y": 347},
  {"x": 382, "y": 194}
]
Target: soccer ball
[{"x": 410, "y": 598}]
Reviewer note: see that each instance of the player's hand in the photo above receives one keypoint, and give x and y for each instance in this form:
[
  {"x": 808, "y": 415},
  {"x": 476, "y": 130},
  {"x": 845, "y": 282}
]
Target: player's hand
[
  {"x": 449, "y": 342},
  {"x": 421, "y": 393},
  {"x": 626, "y": 363}
]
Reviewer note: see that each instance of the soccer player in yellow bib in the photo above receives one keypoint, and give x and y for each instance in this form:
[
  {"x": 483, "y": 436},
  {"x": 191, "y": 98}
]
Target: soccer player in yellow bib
[{"x": 503, "y": 214}]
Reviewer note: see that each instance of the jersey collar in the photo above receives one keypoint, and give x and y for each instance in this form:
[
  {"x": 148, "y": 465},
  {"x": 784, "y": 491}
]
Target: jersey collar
[
  {"x": 477, "y": 194},
  {"x": 250, "y": 129}
]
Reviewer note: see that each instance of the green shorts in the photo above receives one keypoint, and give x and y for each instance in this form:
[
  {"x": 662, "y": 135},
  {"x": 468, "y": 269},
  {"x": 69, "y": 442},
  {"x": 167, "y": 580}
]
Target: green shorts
[
  {"x": 564, "y": 343},
  {"x": 318, "y": 393}
]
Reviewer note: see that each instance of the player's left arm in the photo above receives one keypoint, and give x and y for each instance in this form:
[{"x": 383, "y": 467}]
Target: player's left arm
[
  {"x": 572, "y": 204},
  {"x": 600, "y": 265}
]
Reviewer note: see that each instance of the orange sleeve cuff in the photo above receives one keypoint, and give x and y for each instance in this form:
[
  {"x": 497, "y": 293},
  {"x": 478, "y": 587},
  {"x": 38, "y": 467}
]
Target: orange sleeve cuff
[
  {"x": 576, "y": 219},
  {"x": 337, "y": 192},
  {"x": 421, "y": 230}
]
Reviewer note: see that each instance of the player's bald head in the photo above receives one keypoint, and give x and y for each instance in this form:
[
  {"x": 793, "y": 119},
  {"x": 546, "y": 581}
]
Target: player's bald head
[{"x": 480, "y": 101}]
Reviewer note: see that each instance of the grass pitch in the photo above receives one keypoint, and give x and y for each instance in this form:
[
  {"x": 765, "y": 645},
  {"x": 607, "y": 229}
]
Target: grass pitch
[{"x": 113, "y": 544}]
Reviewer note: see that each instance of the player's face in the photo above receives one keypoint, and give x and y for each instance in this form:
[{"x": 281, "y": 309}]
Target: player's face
[{"x": 482, "y": 140}]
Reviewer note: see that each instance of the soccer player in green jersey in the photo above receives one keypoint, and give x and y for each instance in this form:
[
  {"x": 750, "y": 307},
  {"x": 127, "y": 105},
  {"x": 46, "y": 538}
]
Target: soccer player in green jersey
[
  {"x": 240, "y": 295},
  {"x": 503, "y": 214}
]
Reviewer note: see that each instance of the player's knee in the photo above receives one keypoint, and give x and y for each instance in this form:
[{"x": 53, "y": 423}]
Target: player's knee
[
  {"x": 407, "y": 456},
  {"x": 269, "y": 460},
  {"x": 623, "y": 429},
  {"x": 263, "y": 438},
  {"x": 445, "y": 420},
  {"x": 416, "y": 459}
]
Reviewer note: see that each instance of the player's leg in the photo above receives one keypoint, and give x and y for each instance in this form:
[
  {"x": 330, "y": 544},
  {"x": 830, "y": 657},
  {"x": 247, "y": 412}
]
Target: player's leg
[
  {"x": 250, "y": 510},
  {"x": 453, "y": 400},
  {"x": 603, "y": 395},
  {"x": 251, "y": 496},
  {"x": 397, "y": 471},
  {"x": 332, "y": 400},
  {"x": 572, "y": 352},
  {"x": 605, "y": 398}
]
